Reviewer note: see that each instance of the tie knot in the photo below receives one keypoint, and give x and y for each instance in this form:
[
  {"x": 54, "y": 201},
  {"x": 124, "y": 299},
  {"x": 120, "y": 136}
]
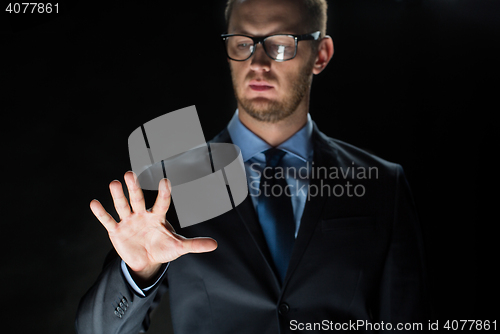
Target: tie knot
[{"x": 273, "y": 156}]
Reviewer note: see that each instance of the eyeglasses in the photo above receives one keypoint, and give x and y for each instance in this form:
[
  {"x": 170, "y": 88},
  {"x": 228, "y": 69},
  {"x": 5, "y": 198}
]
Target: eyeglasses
[{"x": 281, "y": 47}]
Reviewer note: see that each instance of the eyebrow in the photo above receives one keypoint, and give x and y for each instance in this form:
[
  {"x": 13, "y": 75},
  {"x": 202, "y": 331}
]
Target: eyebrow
[
  {"x": 278, "y": 30},
  {"x": 286, "y": 32}
]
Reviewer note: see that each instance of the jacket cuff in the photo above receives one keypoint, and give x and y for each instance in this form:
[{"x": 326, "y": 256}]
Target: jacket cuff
[{"x": 134, "y": 286}]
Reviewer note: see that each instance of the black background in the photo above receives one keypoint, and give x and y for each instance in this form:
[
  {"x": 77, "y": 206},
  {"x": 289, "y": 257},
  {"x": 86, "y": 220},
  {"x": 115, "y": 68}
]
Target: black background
[{"x": 414, "y": 82}]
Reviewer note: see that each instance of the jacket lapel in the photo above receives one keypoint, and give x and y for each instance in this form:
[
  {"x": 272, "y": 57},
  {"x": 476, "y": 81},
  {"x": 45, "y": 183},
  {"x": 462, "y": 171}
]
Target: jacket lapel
[
  {"x": 248, "y": 216},
  {"x": 324, "y": 156}
]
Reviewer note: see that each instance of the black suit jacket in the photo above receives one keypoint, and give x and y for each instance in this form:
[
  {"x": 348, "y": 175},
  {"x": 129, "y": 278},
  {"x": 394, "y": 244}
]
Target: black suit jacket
[{"x": 356, "y": 258}]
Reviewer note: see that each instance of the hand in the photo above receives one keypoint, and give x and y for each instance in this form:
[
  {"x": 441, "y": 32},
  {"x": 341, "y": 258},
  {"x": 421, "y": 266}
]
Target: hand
[{"x": 143, "y": 238}]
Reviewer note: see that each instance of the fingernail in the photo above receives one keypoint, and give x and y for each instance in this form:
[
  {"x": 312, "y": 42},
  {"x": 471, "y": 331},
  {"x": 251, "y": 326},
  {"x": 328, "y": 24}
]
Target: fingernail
[
  {"x": 169, "y": 185},
  {"x": 163, "y": 187}
]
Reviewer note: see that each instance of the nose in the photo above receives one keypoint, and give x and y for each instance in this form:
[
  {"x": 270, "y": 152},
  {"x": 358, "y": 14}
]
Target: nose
[{"x": 260, "y": 61}]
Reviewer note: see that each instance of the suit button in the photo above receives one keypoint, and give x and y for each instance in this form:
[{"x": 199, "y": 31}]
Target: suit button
[{"x": 283, "y": 309}]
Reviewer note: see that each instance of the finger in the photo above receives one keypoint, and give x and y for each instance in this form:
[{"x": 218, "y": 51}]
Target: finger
[
  {"x": 102, "y": 215},
  {"x": 119, "y": 199},
  {"x": 198, "y": 245},
  {"x": 135, "y": 192},
  {"x": 162, "y": 202}
]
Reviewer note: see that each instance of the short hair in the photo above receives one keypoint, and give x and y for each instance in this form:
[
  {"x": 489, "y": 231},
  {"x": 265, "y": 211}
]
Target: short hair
[{"x": 315, "y": 14}]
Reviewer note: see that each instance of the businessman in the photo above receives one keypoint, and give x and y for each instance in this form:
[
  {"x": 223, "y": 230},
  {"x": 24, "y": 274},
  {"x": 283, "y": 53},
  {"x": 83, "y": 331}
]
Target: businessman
[{"x": 328, "y": 238}]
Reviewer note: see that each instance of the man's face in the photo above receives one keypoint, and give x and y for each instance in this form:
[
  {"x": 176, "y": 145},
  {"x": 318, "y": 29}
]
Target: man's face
[{"x": 268, "y": 90}]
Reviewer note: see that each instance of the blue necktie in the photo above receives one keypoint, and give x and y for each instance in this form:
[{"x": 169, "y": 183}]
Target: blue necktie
[{"x": 275, "y": 211}]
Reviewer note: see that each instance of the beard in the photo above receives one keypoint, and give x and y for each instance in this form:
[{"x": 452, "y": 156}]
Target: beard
[{"x": 272, "y": 111}]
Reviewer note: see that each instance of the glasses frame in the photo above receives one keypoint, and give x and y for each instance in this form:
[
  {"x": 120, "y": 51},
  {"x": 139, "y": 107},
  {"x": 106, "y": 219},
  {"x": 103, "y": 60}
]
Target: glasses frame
[{"x": 314, "y": 36}]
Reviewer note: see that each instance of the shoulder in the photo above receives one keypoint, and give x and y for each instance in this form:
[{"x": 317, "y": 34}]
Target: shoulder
[
  {"x": 339, "y": 153},
  {"x": 222, "y": 137}
]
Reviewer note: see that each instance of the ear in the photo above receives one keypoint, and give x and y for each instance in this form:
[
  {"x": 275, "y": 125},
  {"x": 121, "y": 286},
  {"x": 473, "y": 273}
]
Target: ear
[{"x": 325, "y": 53}]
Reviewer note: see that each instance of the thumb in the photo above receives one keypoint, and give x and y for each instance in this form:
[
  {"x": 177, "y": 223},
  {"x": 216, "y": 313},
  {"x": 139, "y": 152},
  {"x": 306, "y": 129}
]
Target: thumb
[{"x": 198, "y": 245}]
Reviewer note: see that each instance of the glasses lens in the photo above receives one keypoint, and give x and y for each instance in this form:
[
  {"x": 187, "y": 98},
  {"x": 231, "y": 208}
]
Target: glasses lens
[
  {"x": 239, "y": 47},
  {"x": 280, "y": 47}
]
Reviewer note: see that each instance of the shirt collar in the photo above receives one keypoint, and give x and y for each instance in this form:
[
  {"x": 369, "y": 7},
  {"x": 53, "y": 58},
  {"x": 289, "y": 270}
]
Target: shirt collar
[{"x": 299, "y": 145}]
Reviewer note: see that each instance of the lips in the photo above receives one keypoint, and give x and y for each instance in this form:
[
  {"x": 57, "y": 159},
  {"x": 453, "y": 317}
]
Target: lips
[{"x": 260, "y": 86}]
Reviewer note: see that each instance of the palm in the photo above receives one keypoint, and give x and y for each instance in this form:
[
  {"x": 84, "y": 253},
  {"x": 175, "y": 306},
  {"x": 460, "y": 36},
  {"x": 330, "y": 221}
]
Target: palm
[{"x": 143, "y": 238}]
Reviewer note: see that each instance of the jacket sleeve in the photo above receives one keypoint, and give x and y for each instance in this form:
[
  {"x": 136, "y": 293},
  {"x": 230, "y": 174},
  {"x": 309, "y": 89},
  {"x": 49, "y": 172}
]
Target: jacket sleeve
[
  {"x": 403, "y": 292},
  {"x": 111, "y": 306}
]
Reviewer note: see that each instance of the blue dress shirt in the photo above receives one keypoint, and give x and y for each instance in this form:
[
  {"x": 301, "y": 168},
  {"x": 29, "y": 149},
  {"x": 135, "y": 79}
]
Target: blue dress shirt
[{"x": 296, "y": 162}]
